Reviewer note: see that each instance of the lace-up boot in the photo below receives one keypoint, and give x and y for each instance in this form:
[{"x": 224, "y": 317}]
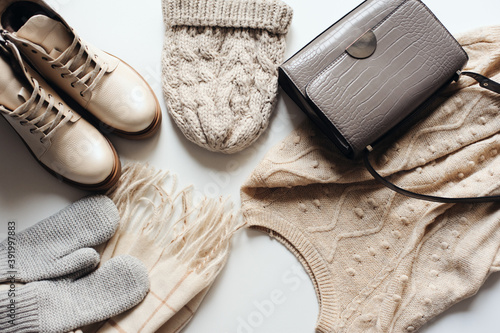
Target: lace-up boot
[
  {"x": 64, "y": 143},
  {"x": 115, "y": 96}
]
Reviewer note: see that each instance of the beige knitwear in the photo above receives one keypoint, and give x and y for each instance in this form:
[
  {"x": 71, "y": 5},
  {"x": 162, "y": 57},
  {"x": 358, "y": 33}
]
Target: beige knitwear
[
  {"x": 380, "y": 261},
  {"x": 183, "y": 243},
  {"x": 220, "y": 62}
]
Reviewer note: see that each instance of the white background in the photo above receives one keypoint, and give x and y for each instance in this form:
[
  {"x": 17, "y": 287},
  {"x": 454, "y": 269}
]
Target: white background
[{"x": 258, "y": 266}]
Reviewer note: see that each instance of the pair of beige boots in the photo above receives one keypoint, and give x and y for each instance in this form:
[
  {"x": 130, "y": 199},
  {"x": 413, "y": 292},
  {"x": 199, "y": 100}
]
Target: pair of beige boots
[{"x": 41, "y": 59}]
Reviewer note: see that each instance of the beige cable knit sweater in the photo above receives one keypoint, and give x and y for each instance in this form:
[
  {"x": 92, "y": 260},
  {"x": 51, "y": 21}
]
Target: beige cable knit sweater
[{"x": 382, "y": 262}]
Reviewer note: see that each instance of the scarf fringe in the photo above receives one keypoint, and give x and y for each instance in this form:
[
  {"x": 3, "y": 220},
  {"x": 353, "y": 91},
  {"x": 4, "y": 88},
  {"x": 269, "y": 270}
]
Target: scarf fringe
[{"x": 196, "y": 234}]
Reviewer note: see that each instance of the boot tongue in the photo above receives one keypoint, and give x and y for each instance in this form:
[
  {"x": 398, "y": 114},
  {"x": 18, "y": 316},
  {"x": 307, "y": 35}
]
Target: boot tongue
[
  {"x": 12, "y": 92},
  {"x": 23, "y": 95},
  {"x": 53, "y": 37},
  {"x": 50, "y": 34}
]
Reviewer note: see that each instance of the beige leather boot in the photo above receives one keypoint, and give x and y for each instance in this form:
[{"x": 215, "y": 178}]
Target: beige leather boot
[
  {"x": 64, "y": 143},
  {"x": 113, "y": 93}
]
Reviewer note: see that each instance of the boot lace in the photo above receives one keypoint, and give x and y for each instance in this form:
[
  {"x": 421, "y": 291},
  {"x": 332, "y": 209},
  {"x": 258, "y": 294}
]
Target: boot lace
[
  {"x": 80, "y": 64},
  {"x": 29, "y": 113}
]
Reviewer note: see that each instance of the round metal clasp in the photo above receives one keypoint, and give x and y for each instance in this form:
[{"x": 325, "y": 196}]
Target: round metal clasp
[{"x": 364, "y": 46}]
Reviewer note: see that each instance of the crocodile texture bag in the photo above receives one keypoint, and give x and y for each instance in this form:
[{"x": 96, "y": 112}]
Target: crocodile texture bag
[{"x": 368, "y": 74}]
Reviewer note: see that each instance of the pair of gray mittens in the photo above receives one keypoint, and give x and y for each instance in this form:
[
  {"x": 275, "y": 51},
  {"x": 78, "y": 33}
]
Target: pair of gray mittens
[{"x": 54, "y": 258}]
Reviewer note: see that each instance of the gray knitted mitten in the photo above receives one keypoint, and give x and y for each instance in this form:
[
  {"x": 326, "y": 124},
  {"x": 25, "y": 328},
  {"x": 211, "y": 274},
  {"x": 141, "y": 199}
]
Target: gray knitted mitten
[
  {"x": 220, "y": 68},
  {"x": 64, "y": 305},
  {"x": 61, "y": 244}
]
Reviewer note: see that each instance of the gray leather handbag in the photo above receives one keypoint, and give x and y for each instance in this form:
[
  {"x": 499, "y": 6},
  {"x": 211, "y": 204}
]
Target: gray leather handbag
[{"x": 368, "y": 74}]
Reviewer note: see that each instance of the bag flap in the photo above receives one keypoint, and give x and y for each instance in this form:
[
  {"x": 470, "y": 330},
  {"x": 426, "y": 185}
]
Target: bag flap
[
  {"x": 364, "y": 98},
  {"x": 319, "y": 53}
]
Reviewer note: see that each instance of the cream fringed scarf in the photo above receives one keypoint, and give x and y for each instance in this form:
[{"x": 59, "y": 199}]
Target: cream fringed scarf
[
  {"x": 382, "y": 262},
  {"x": 184, "y": 245}
]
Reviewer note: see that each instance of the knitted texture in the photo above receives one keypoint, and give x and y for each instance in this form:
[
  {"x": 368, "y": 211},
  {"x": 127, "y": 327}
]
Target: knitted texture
[
  {"x": 62, "y": 305},
  {"x": 380, "y": 261},
  {"x": 183, "y": 242},
  {"x": 270, "y": 15},
  {"x": 220, "y": 61},
  {"x": 61, "y": 244}
]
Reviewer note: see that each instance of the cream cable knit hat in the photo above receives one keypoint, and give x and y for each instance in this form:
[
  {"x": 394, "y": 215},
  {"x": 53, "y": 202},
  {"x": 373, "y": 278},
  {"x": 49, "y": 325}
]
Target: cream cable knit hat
[{"x": 220, "y": 62}]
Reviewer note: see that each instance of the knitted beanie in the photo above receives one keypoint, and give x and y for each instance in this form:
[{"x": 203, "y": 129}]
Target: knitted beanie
[
  {"x": 380, "y": 261},
  {"x": 220, "y": 61}
]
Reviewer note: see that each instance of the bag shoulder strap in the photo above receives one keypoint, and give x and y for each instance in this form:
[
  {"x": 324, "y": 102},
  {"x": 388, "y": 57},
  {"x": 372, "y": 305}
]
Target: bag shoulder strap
[
  {"x": 415, "y": 195},
  {"x": 483, "y": 82}
]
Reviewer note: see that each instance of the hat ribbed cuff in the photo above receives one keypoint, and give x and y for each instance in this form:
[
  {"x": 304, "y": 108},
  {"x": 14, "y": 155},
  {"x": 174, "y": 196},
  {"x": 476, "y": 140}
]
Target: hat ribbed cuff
[
  {"x": 19, "y": 310},
  {"x": 272, "y": 15}
]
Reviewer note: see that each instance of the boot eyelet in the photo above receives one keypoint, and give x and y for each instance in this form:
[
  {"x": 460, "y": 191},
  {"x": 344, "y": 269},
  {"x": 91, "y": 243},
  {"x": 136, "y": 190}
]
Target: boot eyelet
[
  {"x": 45, "y": 58},
  {"x": 34, "y": 51},
  {"x": 32, "y": 131},
  {"x": 41, "y": 141},
  {"x": 72, "y": 84},
  {"x": 81, "y": 94},
  {"x": 53, "y": 66},
  {"x": 25, "y": 45},
  {"x": 62, "y": 75}
]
